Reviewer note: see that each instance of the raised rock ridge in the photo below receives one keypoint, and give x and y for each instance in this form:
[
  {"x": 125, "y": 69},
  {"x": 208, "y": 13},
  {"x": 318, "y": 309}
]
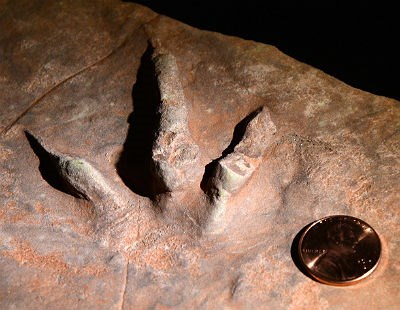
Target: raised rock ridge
[
  {"x": 148, "y": 164},
  {"x": 175, "y": 154}
]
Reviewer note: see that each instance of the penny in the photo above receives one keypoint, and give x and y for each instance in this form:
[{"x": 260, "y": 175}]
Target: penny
[{"x": 339, "y": 250}]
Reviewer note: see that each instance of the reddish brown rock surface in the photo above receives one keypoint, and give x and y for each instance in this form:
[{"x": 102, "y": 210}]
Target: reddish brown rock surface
[{"x": 97, "y": 130}]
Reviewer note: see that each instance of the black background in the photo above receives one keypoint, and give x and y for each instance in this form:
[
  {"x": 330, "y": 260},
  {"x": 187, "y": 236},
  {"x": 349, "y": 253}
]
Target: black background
[{"x": 357, "y": 44}]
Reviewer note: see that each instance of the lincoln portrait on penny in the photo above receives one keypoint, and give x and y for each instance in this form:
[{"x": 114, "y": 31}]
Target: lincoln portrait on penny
[{"x": 339, "y": 259}]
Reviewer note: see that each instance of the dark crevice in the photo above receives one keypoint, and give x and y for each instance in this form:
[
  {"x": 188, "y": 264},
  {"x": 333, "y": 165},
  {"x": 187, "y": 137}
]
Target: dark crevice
[
  {"x": 135, "y": 165},
  {"x": 237, "y": 136},
  {"x": 239, "y": 132},
  {"x": 48, "y": 167}
]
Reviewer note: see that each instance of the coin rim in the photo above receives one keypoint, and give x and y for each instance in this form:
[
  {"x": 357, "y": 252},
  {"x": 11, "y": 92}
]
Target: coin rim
[{"x": 326, "y": 281}]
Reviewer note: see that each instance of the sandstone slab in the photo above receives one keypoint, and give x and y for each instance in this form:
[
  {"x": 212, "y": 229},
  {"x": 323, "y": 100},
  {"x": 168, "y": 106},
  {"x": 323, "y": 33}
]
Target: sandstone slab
[{"x": 113, "y": 120}]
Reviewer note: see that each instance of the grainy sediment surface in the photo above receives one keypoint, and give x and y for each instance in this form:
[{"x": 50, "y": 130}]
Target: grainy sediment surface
[{"x": 122, "y": 129}]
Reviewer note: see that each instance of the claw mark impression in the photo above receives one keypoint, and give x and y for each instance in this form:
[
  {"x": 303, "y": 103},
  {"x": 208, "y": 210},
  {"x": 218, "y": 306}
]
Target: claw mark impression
[
  {"x": 175, "y": 155},
  {"x": 83, "y": 180},
  {"x": 234, "y": 170}
]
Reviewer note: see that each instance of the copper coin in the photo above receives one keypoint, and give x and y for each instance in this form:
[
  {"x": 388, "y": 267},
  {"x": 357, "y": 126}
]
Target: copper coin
[{"x": 339, "y": 250}]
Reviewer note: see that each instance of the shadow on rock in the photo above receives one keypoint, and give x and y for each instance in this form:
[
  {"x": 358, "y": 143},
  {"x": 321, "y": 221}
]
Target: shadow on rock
[
  {"x": 237, "y": 136},
  {"x": 294, "y": 251},
  {"x": 134, "y": 164},
  {"x": 47, "y": 166}
]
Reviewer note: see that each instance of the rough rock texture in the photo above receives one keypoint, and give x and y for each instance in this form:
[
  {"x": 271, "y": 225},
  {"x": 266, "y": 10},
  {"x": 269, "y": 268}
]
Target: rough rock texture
[
  {"x": 118, "y": 129},
  {"x": 233, "y": 171},
  {"x": 175, "y": 155}
]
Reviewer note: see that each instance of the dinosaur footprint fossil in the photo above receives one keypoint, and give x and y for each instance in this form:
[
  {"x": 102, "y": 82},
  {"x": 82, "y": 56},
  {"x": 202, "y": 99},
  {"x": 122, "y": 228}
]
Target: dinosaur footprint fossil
[{"x": 175, "y": 157}]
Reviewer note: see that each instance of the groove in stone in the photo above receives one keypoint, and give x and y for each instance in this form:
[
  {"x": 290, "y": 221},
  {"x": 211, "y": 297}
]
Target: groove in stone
[
  {"x": 77, "y": 177},
  {"x": 230, "y": 172},
  {"x": 134, "y": 164},
  {"x": 175, "y": 155}
]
